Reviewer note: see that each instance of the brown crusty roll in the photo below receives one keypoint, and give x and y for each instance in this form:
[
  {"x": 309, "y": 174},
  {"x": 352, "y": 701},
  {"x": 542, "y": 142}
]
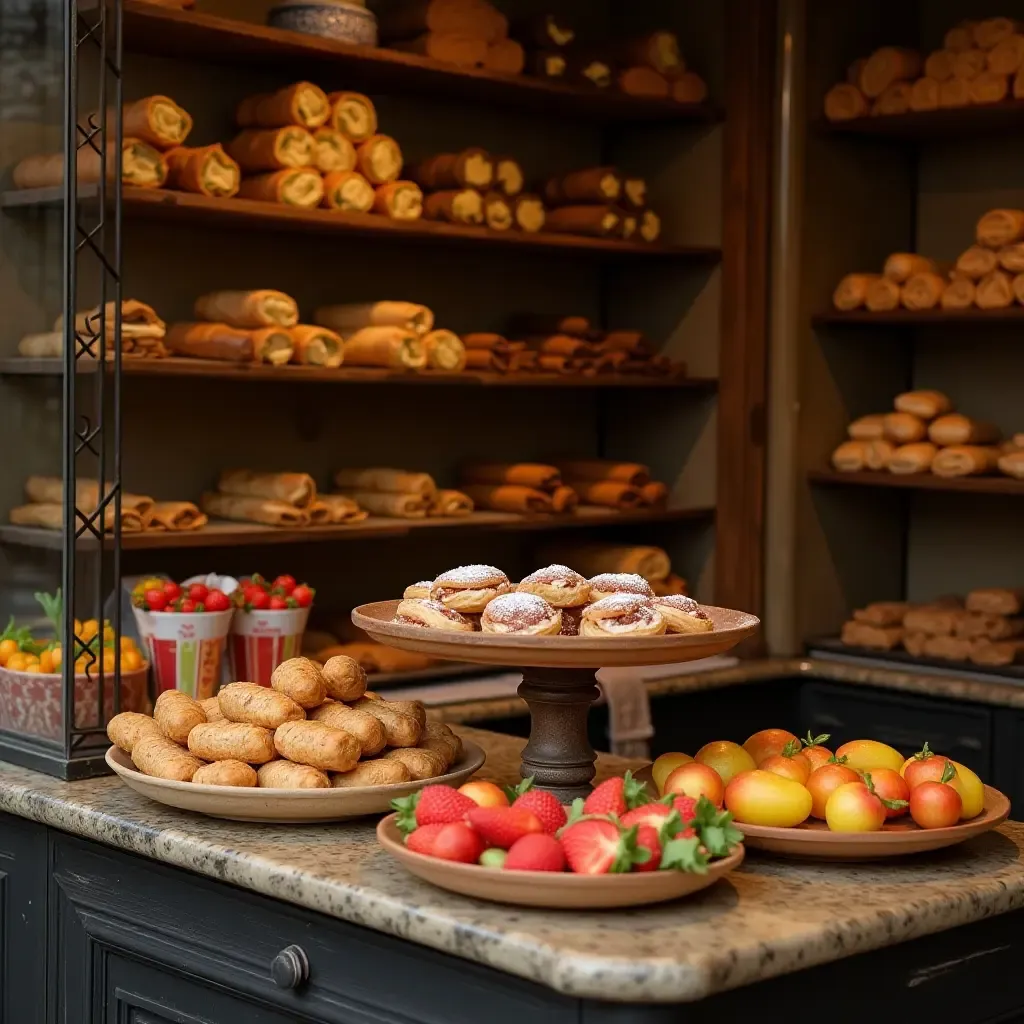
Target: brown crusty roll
[
  {"x": 402, "y": 730},
  {"x": 220, "y": 341},
  {"x": 353, "y": 114},
  {"x": 968, "y": 64},
  {"x": 592, "y": 185},
  {"x": 177, "y": 714},
  {"x": 300, "y": 679},
  {"x": 988, "y": 87},
  {"x": 901, "y": 266},
  {"x": 457, "y": 206},
  {"x": 882, "y": 295},
  {"x": 272, "y": 149},
  {"x": 392, "y": 347},
  {"x": 912, "y": 458},
  {"x": 281, "y": 774},
  {"x": 523, "y": 474},
  {"x": 650, "y": 226},
  {"x": 954, "y": 428},
  {"x": 852, "y": 291},
  {"x": 125, "y": 729},
  {"x": 161, "y": 758},
  {"x": 877, "y": 454},
  {"x": 850, "y": 456},
  {"x": 303, "y": 104},
  {"x": 379, "y": 160},
  {"x": 207, "y": 170},
  {"x": 348, "y": 191},
  {"x": 924, "y": 403},
  {"x": 332, "y": 151},
  {"x": 599, "y": 221},
  {"x": 469, "y": 168},
  {"x": 399, "y": 200},
  {"x": 262, "y": 307},
  {"x": 1000, "y": 227},
  {"x": 904, "y": 428},
  {"x": 867, "y": 428},
  {"x": 959, "y": 294},
  {"x": 316, "y": 346},
  {"x": 50, "y": 516},
  {"x": 229, "y": 772},
  {"x": 923, "y": 291},
  {"x": 882, "y": 613},
  {"x": 318, "y": 745},
  {"x": 366, "y": 728},
  {"x": 994, "y": 291},
  {"x": 1011, "y": 258},
  {"x": 952, "y": 647},
  {"x": 422, "y": 762},
  {"x": 996, "y": 652},
  {"x": 377, "y": 771},
  {"x": 965, "y": 460},
  {"x": 157, "y": 120},
  {"x": 301, "y": 186},
  {"x": 976, "y": 262},
  {"x": 344, "y": 677},
  {"x": 239, "y": 741}
]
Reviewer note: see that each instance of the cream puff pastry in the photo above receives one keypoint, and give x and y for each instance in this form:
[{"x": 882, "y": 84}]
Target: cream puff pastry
[
  {"x": 608, "y": 583},
  {"x": 419, "y": 590},
  {"x": 622, "y": 615},
  {"x": 469, "y": 588},
  {"x": 522, "y": 615},
  {"x": 682, "y": 614},
  {"x": 559, "y": 585},
  {"x": 431, "y": 614}
]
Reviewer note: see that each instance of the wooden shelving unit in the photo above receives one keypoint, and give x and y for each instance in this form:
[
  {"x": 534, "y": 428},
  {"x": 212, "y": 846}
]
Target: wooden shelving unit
[
  {"x": 916, "y": 318},
  {"x": 934, "y": 125},
  {"x": 920, "y": 482}
]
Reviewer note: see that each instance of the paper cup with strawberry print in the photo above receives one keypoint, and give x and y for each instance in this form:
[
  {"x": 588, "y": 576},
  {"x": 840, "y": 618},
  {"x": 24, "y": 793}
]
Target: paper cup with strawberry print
[
  {"x": 262, "y": 639},
  {"x": 187, "y": 649}
]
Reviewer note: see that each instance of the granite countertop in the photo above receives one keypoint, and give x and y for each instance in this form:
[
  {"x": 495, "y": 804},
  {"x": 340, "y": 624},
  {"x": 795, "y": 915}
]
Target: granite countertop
[{"x": 768, "y": 918}]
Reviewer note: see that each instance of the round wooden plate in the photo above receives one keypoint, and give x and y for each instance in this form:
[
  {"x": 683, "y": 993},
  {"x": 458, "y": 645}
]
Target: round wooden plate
[
  {"x": 292, "y": 806},
  {"x": 556, "y": 651},
  {"x": 549, "y": 889}
]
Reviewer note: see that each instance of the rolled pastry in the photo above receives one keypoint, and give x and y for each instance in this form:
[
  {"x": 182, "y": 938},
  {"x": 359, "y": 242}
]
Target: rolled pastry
[
  {"x": 353, "y": 114},
  {"x": 463, "y": 206},
  {"x": 387, "y": 481},
  {"x": 1000, "y": 227},
  {"x": 51, "y": 517},
  {"x": 877, "y": 454},
  {"x": 157, "y": 120},
  {"x": 867, "y": 428},
  {"x": 142, "y": 166},
  {"x": 524, "y": 474},
  {"x": 926, "y": 404},
  {"x": 923, "y": 291},
  {"x": 207, "y": 170},
  {"x": 254, "y": 510},
  {"x": 319, "y": 513},
  {"x": 301, "y": 186},
  {"x": 901, "y": 266},
  {"x": 599, "y": 221},
  {"x": 508, "y": 176},
  {"x": 379, "y": 160},
  {"x": 1012, "y": 464},
  {"x": 508, "y": 498},
  {"x": 992, "y": 627},
  {"x": 990, "y": 32},
  {"x": 633, "y": 473},
  {"x": 852, "y": 291},
  {"x": 392, "y": 347},
  {"x": 988, "y": 87},
  {"x": 498, "y": 213},
  {"x": 885, "y": 66},
  {"x": 316, "y": 346},
  {"x": 924, "y": 94},
  {"x": 259, "y": 308},
  {"x": 650, "y": 226},
  {"x": 451, "y": 504},
  {"x": 347, "y": 319},
  {"x": 298, "y": 489},
  {"x": 965, "y": 460},
  {"x": 938, "y": 65},
  {"x": 528, "y": 212},
  {"x": 882, "y": 295},
  {"x": 969, "y": 64},
  {"x": 976, "y": 262},
  {"x": 850, "y": 456},
  {"x": 445, "y": 351},
  {"x": 303, "y": 104},
  {"x": 994, "y": 291},
  {"x": 141, "y": 329},
  {"x": 332, "y": 151},
  {"x": 232, "y": 344},
  {"x": 1011, "y": 258},
  {"x": 272, "y": 149},
  {"x": 399, "y": 200},
  {"x": 895, "y": 99},
  {"x": 342, "y": 509},
  {"x": 955, "y": 92},
  {"x": 960, "y": 37},
  {"x": 395, "y": 506},
  {"x": 470, "y": 168},
  {"x": 912, "y": 458},
  {"x": 564, "y": 500},
  {"x": 49, "y": 490},
  {"x": 601, "y": 185},
  {"x": 176, "y": 516},
  {"x": 844, "y": 102},
  {"x": 348, "y": 191},
  {"x": 954, "y": 428},
  {"x": 610, "y": 493},
  {"x": 959, "y": 294}
]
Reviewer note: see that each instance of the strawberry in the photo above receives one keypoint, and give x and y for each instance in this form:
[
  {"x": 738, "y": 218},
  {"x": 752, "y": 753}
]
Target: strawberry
[
  {"x": 653, "y": 815},
  {"x": 457, "y": 841},
  {"x": 432, "y": 805},
  {"x": 616, "y": 796},
  {"x": 648, "y": 838},
  {"x": 687, "y": 808},
  {"x": 596, "y": 846},
  {"x": 537, "y": 851},
  {"x": 545, "y": 805},
  {"x": 502, "y": 826},
  {"x": 422, "y": 839}
]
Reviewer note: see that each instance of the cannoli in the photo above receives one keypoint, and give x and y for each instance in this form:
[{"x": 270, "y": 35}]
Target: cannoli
[
  {"x": 528, "y": 212},
  {"x": 926, "y": 404},
  {"x": 392, "y": 347},
  {"x": 391, "y": 506},
  {"x": 912, "y": 458},
  {"x": 593, "y": 185},
  {"x": 231, "y": 344},
  {"x": 253, "y": 510},
  {"x": 959, "y": 294},
  {"x": 348, "y": 191},
  {"x": 420, "y": 611},
  {"x": 650, "y": 226},
  {"x": 924, "y": 94},
  {"x": 299, "y": 187},
  {"x": 298, "y": 489},
  {"x": 632, "y": 473},
  {"x": 600, "y": 221},
  {"x": 548, "y": 64},
  {"x": 642, "y": 81},
  {"x": 882, "y": 295},
  {"x": 399, "y": 200},
  {"x": 348, "y": 319},
  {"x": 622, "y": 615},
  {"x": 521, "y": 614},
  {"x": 463, "y": 206},
  {"x": 450, "y": 504},
  {"x": 469, "y": 588},
  {"x": 207, "y": 170},
  {"x": 260, "y": 308},
  {"x": 379, "y": 159},
  {"x": 332, "y": 151},
  {"x": 176, "y": 516},
  {"x": 524, "y": 474},
  {"x": 388, "y": 481},
  {"x": 497, "y": 212},
  {"x": 445, "y": 351},
  {"x": 506, "y": 57},
  {"x": 509, "y": 498},
  {"x": 303, "y": 103},
  {"x": 316, "y": 346},
  {"x": 461, "y": 50},
  {"x": 342, "y": 509},
  {"x": 965, "y": 460},
  {"x": 953, "y": 429},
  {"x": 354, "y": 115},
  {"x": 470, "y": 168},
  {"x": 271, "y": 149}
]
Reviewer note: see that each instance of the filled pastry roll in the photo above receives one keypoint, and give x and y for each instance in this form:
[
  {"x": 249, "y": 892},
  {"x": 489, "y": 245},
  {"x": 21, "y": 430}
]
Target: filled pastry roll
[
  {"x": 302, "y": 186},
  {"x": 528, "y": 212},
  {"x": 303, "y": 104},
  {"x": 882, "y": 295},
  {"x": 142, "y": 331},
  {"x": 399, "y": 200},
  {"x": 959, "y": 294},
  {"x": 498, "y": 213},
  {"x": 464, "y": 206},
  {"x": 157, "y": 120},
  {"x": 912, "y": 458},
  {"x": 388, "y": 481},
  {"x": 253, "y": 510},
  {"x": 332, "y": 151},
  {"x": 610, "y": 493},
  {"x": 259, "y": 308},
  {"x": 392, "y": 506},
  {"x": 445, "y": 351},
  {"x": 348, "y": 191},
  {"x": 965, "y": 460},
  {"x": 650, "y": 226},
  {"x": 508, "y": 176},
  {"x": 298, "y": 489},
  {"x": 469, "y": 588},
  {"x": 231, "y": 344},
  {"x": 521, "y": 614},
  {"x": 599, "y": 221},
  {"x": 176, "y": 516},
  {"x": 926, "y": 404},
  {"x": 347, "y": 319},
  {"x": 207, "y": 170},
  {"x": 470, "y": 168},
  {"x": 379, "y": 160},
  {"x": 271, "y": 149},
  {"x": 449, "y": 504},
  {"x": 558, "y": 585},
  {"x": 606, "y": 584},
  {"x": 509, "y": 498},
  {"x": 319, "y": 513},
  {"x": 524, "y": 474},
  {"x": 342, "y": 508},
  {"x": 432, "y": 615},
  {"x": 682, "y": 614},
  {"x": 622, "y": 615},
  {"x": 633, "y": 473},
  {"x": 51, "y": 517},
  {"x": 354, "y": 115},
  {"x": 391, "y": 347},
  {"x": 601, "y": 185},
  {"x": 316, "y": 346}
]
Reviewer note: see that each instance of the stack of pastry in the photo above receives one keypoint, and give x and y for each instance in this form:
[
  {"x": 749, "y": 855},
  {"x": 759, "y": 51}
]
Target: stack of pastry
[
  {"x": 601, "y": 202},
  {"x": 528, "y": 488},
  {"x": 923, "y": 434},
  {"x": 45, "y": 508},
  {"x": 553, "y": 601},
  {"x": 142, "y": 334},
  {"x": 986, "y": 628},
  {"x": 618, "y": 485},
  {"x": 315, "y": 727},
  {"x": 400, "y": 494},
  {"x": 652, "y": 563},
  {"x": 979, "y": 63}
]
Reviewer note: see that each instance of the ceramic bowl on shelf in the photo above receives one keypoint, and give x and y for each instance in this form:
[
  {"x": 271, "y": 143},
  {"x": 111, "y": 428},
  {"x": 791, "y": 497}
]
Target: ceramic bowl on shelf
[{"x": 344, "y": 21}]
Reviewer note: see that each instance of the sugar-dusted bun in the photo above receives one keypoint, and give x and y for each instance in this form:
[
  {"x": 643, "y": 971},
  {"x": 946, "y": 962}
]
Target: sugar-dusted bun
[
  {"x": 421, "y": 589},
  {"x": 559, "y": 585},
  {"x": 470, "y": 587},
  {"x": 521, "y": 614},
  {"x": 608, "y": 583},
  {"x": 419, "y": 611},
  {"x": 682, "y": 614},
  {"x": 622, "y": 615}
]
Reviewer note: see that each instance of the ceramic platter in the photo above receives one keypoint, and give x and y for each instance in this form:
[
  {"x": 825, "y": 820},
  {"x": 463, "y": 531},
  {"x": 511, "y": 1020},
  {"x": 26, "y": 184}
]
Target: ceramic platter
[
  {"x": 293, "y": 806},
  {"x": 549, "y": 889},
  {"x": 556, "y": 651}
]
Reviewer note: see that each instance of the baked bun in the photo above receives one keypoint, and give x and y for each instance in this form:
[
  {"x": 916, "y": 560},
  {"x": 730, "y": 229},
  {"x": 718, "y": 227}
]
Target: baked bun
[
  {"x": 559, "y": 585},
  {"x": 522, "y": 615},
  {"x": 682, "y": 614},
  {"x": 470, "y": 588},
  {"x": 622, "y": 615},
  {"x": 421, "y": 589},
  {"x": 608, "y": 583},
  {"x": 420, "y": 611}
]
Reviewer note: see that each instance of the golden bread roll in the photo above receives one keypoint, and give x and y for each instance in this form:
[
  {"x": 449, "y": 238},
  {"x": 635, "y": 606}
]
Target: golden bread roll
[
  {"x": 232, "y": 741},
  {"x": 287, "y": 775},
  {"x": 867, "y": 428},
  {"x": 225, "y": 773},
  {"x": 852, "y": 291},
  {"x": 258, "y": 705},
  {"x": 376, "y": 772},
  {"x": 925, "y": 404},
  {"x": 317, "y": 745},
  {"x": 365, "y": 727},
  {"x": 904, "y": 428},
  {"x": 344, "y": 678},
  {"x": 912, "y": 458},
  {"x": 125, "y": 729},
  {"x": 162, "y": 758},
  {"x": 177, "y": 714},
  {"x": 421, "y": 762},
  {"x": 300, "y": 679}
]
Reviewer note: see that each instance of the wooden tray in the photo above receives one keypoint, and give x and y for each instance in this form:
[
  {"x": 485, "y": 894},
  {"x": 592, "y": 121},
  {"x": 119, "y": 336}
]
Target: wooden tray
[
  {"x": 553, "y": 890},
  {"x": 292, "y": 806},
  {"x": 556, "y": 651}
]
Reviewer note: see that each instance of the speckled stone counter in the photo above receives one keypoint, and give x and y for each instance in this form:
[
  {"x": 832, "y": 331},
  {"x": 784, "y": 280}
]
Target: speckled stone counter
[{"x": 769, "y": 918}]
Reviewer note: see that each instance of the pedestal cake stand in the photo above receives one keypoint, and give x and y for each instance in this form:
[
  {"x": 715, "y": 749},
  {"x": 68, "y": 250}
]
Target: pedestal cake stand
[{"x": 558, "y": 677}]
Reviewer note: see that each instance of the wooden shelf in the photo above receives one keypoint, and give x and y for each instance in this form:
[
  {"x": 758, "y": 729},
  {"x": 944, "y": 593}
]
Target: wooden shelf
[
  {"x": 181, "y": 367},
  {"x": 935, "y": 125},
  {"x": 229, "y": 534},
  {"x": 192, "y": 35},
  {"x": 920, "y": 482},
  {"x": 191, "y": 208},
  {"x": 912, "y": 318}
]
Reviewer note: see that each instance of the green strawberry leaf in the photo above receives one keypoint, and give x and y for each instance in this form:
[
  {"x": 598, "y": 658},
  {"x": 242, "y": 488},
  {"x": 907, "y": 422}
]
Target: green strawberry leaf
[
  {"x": 715, "y": 829},
  {"x": 670, "y": 827},
  {"x": 575, "y": 811},
  {"x": 629, "y": 853},
  {"x": 634, "y": 792},
  {"x": 684, "y": 855},
  {"x": 406, "y": 808},
  {"x": 514, "y": 792}
]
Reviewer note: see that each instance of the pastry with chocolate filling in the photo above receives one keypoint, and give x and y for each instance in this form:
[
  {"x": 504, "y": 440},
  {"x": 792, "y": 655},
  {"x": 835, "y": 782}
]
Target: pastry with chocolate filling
[
  {"x": 622, "y": 615},
  {"x": 470, "y": 588},
  {"x": 419, "y": 590},
  {"x": 522, "y": 615},
  {"x": 683, "y": 615},
  {"x": 608, "y": 583},
  {"x": 431, "y": 615}
]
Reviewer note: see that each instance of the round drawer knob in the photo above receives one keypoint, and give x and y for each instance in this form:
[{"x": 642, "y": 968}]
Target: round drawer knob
[{"x": 290, "y": 968}]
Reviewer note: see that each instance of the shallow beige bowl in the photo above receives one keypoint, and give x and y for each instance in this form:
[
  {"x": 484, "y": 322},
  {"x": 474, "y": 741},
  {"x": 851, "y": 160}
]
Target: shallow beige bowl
[
  {"x": 292, "y": 806},
  {"x": 556, "y": 651},
  {"x": 554, "y": 890}
]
